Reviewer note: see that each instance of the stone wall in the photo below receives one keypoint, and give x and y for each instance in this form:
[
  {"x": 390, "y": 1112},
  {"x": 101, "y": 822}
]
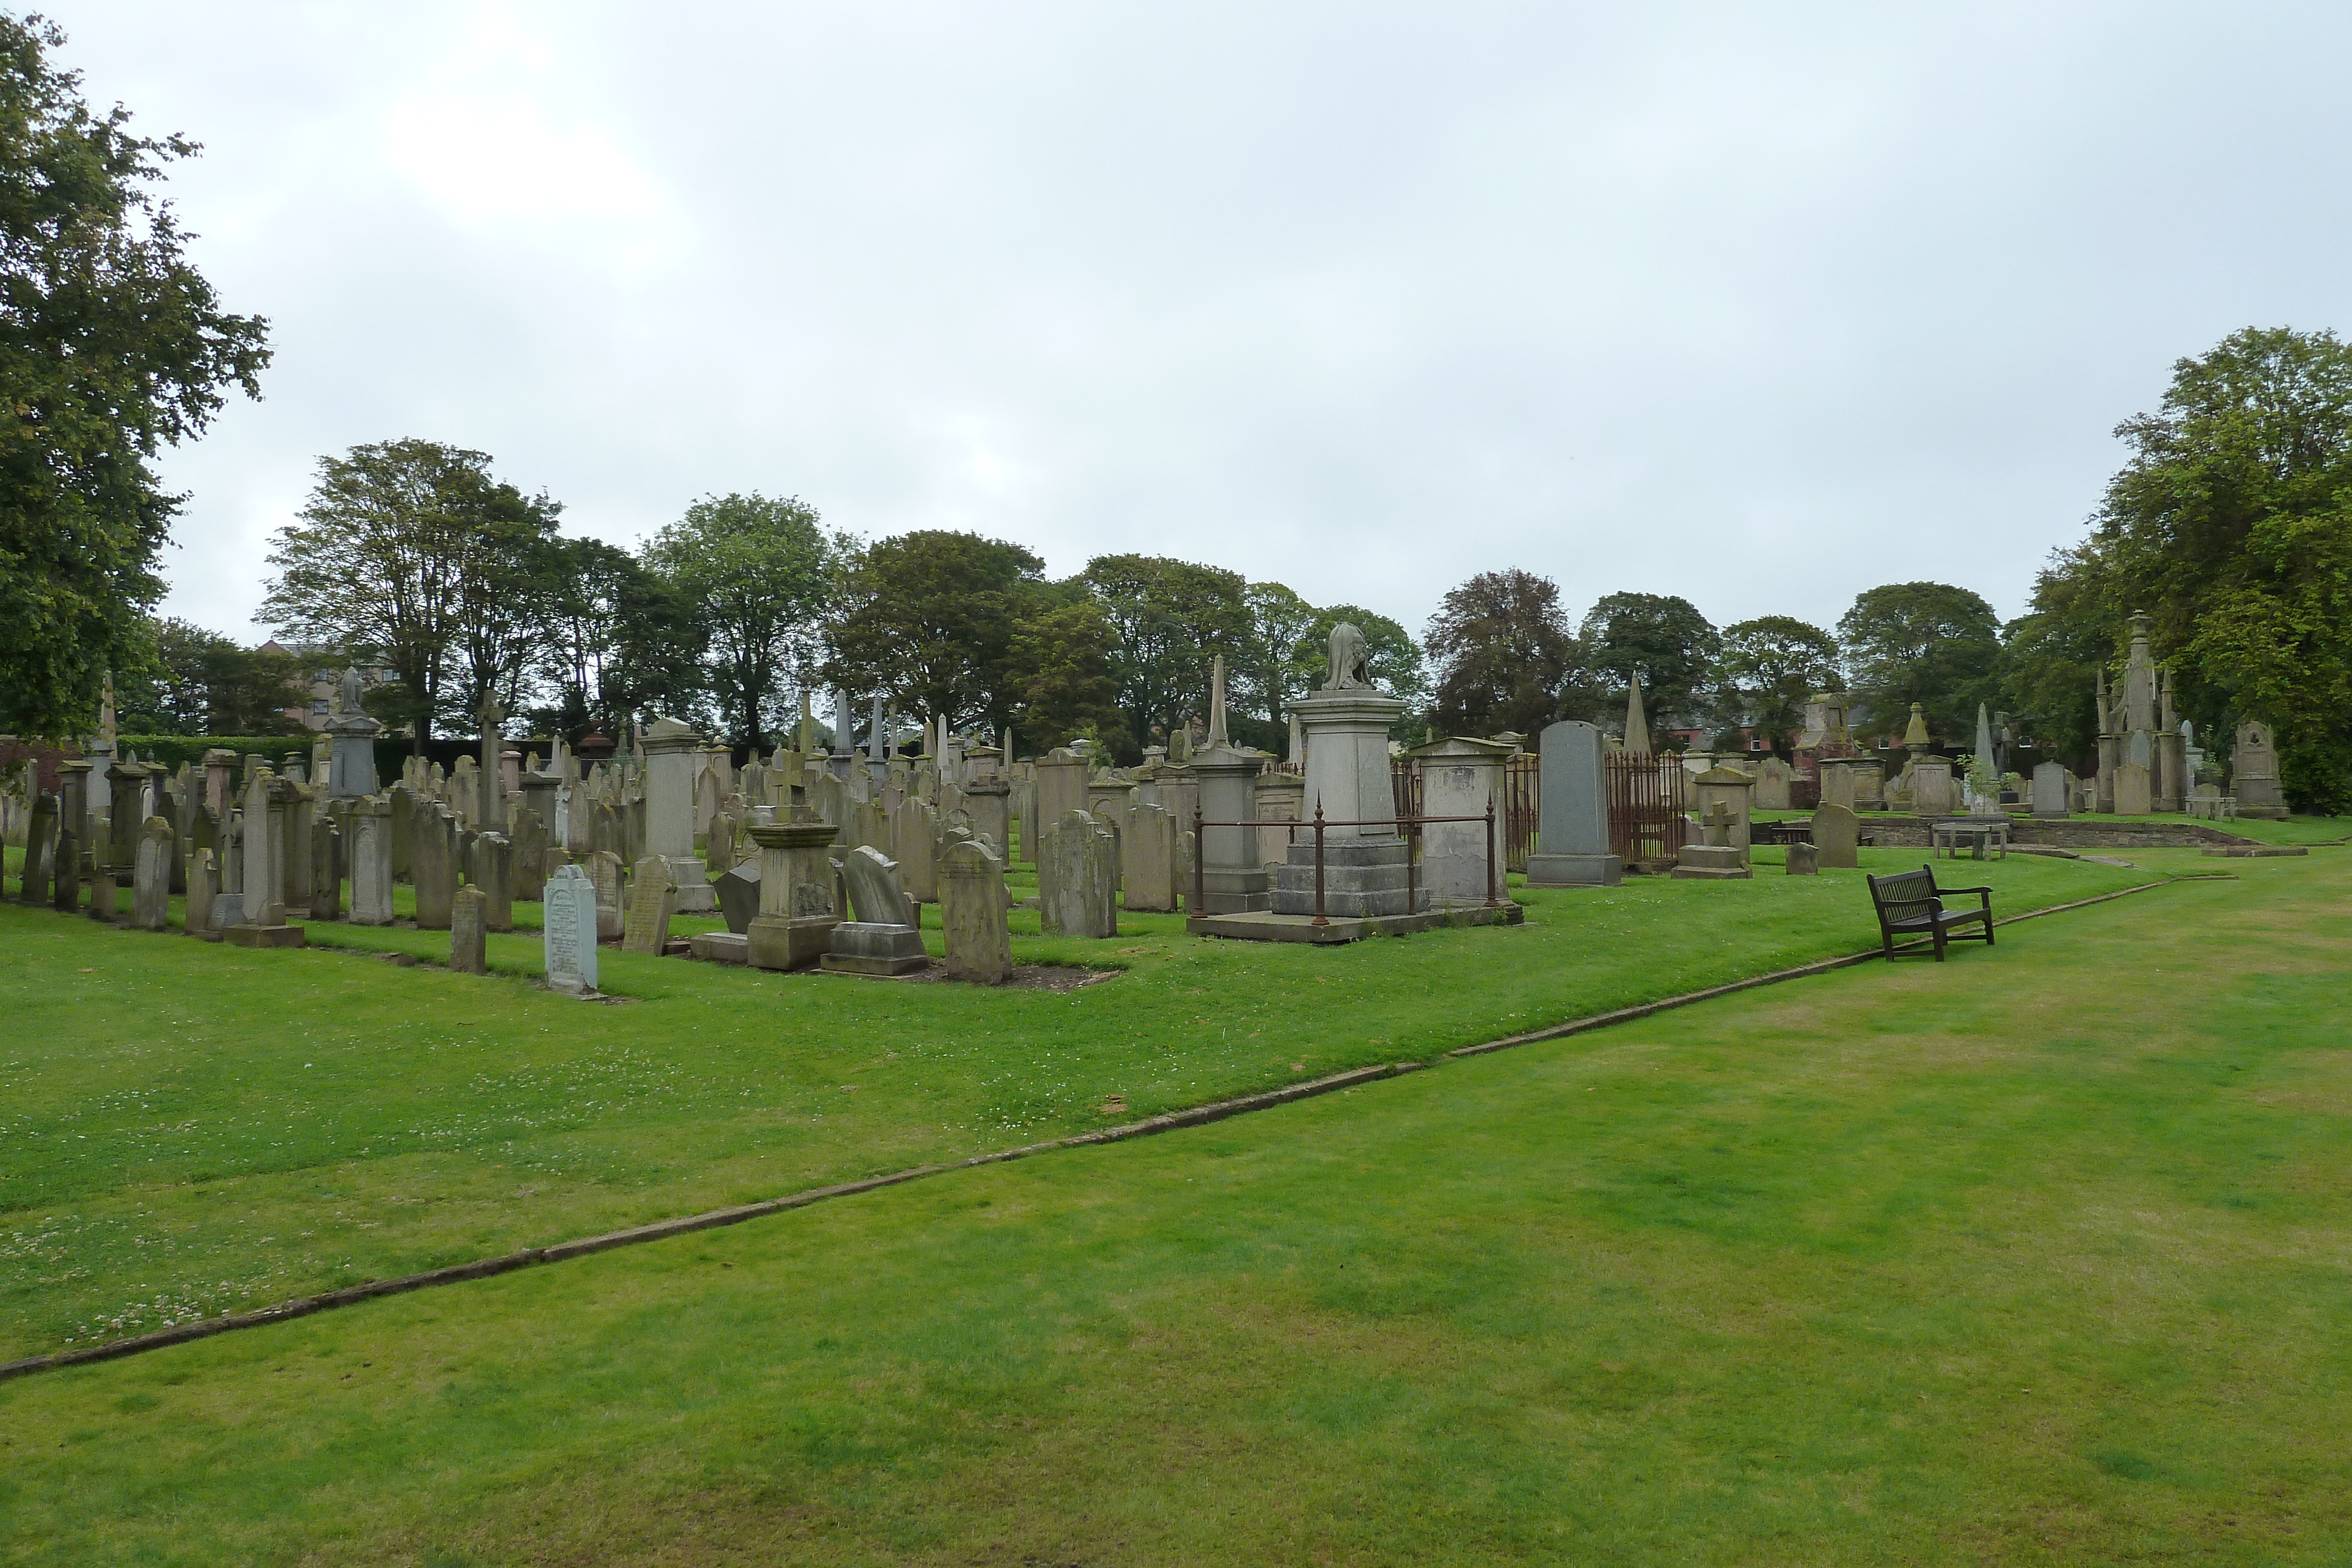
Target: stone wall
[{"x": 1889, "y": 831}]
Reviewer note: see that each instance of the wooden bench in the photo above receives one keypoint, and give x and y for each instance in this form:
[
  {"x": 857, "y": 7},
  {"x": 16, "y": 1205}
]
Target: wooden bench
[{"x": 1911, "y": 904}]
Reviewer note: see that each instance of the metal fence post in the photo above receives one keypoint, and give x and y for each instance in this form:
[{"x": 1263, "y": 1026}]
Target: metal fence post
[
  {"x": 1319, "y": 918},
  {"x": 1199, "y": 862}
]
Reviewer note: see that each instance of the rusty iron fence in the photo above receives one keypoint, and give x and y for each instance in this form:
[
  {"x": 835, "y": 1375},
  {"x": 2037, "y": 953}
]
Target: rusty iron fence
[
  {"x": 1522, "y": 793},
  {"x": 1646, "y": 802},
  {"x": 1410, "y": 827}
]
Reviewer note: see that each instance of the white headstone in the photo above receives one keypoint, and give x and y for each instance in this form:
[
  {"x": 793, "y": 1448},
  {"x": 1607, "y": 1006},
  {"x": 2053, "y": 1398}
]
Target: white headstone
[{"x": 569, "y": 917}]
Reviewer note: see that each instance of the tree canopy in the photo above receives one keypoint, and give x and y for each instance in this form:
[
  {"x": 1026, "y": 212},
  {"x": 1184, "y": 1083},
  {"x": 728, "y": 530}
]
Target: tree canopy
[
  {"x": 1767, "y": 668},
  {"x": 111, "y": 346},
  {"x": 1663, "y": 640},
  {"x": 1503, "y": 647},
  {"x": 1924, "y": 643},
  {"x": 1172, "y": 618},
  {"x": 928, "y": 619}
]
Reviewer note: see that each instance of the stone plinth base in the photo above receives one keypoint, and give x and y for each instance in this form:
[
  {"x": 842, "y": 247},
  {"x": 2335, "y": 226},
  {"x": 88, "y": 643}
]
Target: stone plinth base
[
  {"x": 1575, "y": 871},
  {"x": 870, "y": 947},
  {"x": 2257, "y": 852},
  {"x": 773, "y": 942},
  {"x": 695, "y": 895},
  {"x": 262, "y": 936},
  {"x": 721, "y": 947},
  {"x": 1718, "y": 862},
  {"x": 1266, "y": 927},
  {"x": 1233, "y": 891},
  {"x": 1362, "y": 879}
]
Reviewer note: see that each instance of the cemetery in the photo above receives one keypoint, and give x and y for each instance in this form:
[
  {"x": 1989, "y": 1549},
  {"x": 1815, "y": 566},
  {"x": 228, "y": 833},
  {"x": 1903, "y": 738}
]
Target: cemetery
[{"x": 630, "y": 1018}]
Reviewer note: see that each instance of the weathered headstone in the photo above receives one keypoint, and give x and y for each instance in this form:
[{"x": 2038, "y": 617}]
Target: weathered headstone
[
  {"x": 433, "y": 865},
  {"x": 674, "y": 752},
  {"x": 1773, "y": 780},
  {"x": 1837, "y": 837},
  {"x": 468, "y": 948},
  {"x": 739, "y": 896},
  {"x": 797, "y": 895},
  {"x": 370, "y": 857},
  {"x": 326, "y": 857},
  {"x": 1462, "y": 777},
  {"x": 653, "y": 900},
  {"x": 1804, "y": 860},
  {"x": 604, "y": 869},
  {"x": 490, "y": 866},
  {"x": 568, "y": 924},
  {"x": 1573, "y": 816},
  {"x": 972, "y": 910},
  {"x": 40, "y": 849},
  {"x": 915, "y": 827},
  {"x": 151, "y": 886},
  {"x": 2253, "y": 774},
  {"x": 883, "y": 939},
  {"x": 2134, "y": 790},
  {"x": 1080, "y": 898},
  {"x": 204, "y": 893},
  {"x": 1732, "y": 789},
  {"x": 1153, "y": 873},
  {"x": 2050, "y": 790}
]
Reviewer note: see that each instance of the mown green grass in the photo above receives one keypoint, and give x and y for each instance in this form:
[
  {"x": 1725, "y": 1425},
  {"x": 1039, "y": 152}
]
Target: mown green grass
[
  {"x": 2037, "y": 1256},
  {"x": 193, "y": 1128}
]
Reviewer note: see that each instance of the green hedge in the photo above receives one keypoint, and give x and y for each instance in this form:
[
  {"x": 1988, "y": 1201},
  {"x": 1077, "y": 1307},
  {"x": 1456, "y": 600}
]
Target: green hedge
[{"x": 171, "y": 750}]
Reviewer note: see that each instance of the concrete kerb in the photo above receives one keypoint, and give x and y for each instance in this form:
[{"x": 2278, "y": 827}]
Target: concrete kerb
[{"x": 1198, "y": 1115}]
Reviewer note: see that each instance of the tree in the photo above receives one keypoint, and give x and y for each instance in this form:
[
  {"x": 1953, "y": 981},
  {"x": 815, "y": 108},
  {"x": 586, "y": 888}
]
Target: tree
[
  {"x": 1271, "y": 668},
  {"x": 1059, "y": 671},
  {"x": 1502, "y": 646},
  {"x": 617, "y": 641},
  {"x": 1924, "y": 643},
  {"x": 1766, "y": 670},
  {"x": 1172, "y": 618},
  {"x": 111, "y": 346},
  {"x": 2230, "y": 525},
  {"x": 1663, "y": 640},
  {"x": 201, "y": 683},
  {"x": 404, "y": 556},
  {"x": 928, "y": 620},
  {"x": 758, "y": 578}
]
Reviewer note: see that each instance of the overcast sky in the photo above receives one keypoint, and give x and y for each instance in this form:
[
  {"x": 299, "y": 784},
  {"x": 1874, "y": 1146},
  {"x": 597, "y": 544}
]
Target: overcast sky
[{"x": 1762, "y": 305}]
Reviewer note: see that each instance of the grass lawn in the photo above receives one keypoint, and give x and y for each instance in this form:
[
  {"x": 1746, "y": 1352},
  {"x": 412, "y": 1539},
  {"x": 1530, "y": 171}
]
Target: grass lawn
[
  {"x": 193, "y": 1128},
  {"x": 2037, "y": 1255}
]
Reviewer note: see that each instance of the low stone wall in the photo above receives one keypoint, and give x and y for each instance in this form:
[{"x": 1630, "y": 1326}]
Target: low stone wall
[{"x": 2070, "y": 833}]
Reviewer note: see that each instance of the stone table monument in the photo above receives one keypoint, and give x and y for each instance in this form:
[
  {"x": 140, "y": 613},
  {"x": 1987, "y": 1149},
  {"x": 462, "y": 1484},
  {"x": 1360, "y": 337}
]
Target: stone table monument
[{"x": 797, "y": 892}]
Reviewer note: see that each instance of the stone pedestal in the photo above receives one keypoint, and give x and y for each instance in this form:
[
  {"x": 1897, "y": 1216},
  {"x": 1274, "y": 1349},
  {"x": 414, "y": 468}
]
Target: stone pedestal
[
  {"x": 351, "y": 772},
  {"x": 797, "y": 896},
  {"x": 1233, "y": 880},
  {"x": 1572, "y": 818},
  {"x": 1061, "y": 790},
  {"x": 1362, "y": 877},
  {"x": 873, "y": 947},
  {"x": 1723, "y": 862},
  {"x": 1460, "y": 862},
  {"x": 672, "y": 751},
  {"x": 989, "y": 802}
]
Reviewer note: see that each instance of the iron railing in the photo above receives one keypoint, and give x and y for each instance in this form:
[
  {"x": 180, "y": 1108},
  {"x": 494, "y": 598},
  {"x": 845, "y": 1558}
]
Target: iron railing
[
  {"x": 1411, "y": 884},
  {"x": 1646, "y": 802}
]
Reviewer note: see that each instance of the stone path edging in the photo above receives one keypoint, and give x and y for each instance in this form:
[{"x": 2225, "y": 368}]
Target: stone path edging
[{"x": 710, "y": 1219}]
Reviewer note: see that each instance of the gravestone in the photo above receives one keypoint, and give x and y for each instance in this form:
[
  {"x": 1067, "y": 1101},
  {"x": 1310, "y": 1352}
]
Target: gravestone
[
  {"x": 2049, "y": 792},
  {"x": 1148, "y": 851},
  {"x": 653, "y": 900},
  {"x": 350, "y": 774},
  {"x": 1837, "y": 837},
  {"x": 203, "y": 891},
  {"x": 673, "y": 754},
  {"x": 2253, "y": 774},
  {"x": 1462, "y": 777},
  {"x": 1733, "y": 791},
  {"x": 1931, "y": 787},
  {"x": 2134, "y": 790},
  {"x": 1773, "y": 780},
  {"x": 402, "y": 804},
  {"x": 326, "y": 869},
  {"x": 603, "y": 868},
  {"x": 65, "y": 886},
  {"x": 370, "y": 857},
  {"x": 916, "y": 830},
  {"x": 1060, "y": 788},
  {"x": 105, "y": 891},
  {"x": 151, "y": 886},
  {"x": 40, "y": 849},
  {"x": 739, "y": 896},
  {"x": 797, "y": 893},
  {"x": 1716, "y": 857},
  {"x": 1082, "y": 899},
  {"x": 433, "y": 865},
  {"x": 569, "y": 926},
  {"x": 1804, "y": 860},
  {"x": 1573, "y": 816},
  {"x": 883, "y": 939},
  {"x": 468, "y": 948},
  {"x": 527, "y": 832},
  {"x": 490, "y": 867},
  {"x": 972, "y": 906}
]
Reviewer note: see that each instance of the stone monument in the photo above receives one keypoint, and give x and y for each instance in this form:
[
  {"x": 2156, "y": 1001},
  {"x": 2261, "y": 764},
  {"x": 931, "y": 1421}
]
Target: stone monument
[
  {"x": 672, "y": 751},
  {"x": 972, "y": 905},
  {"x": 1573, "y": 818},
  {"x": 1365, "y": 870},
  {"x": 884, "y": 939},
  {"x": 2254, "y": 773},
  {"x": 1460, "y": 862},
  {"x": 797, "y": 892},
  {"x": 351, "y": 771},
  {"x": 569, "y": 927}
]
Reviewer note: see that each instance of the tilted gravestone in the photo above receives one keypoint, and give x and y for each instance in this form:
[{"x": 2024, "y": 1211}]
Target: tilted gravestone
[
  {"x": 883, "y": 939},
  {"x": 653, "y": 900},
  {"x": 739, "y": 896},
  {"x": 972, "y": 915},
  {"x": 490, "y": 866},
  {"x": 604, "y": 869},
  {"x": 1804, "y": 860},
  {"x": 570, "y": 930}
]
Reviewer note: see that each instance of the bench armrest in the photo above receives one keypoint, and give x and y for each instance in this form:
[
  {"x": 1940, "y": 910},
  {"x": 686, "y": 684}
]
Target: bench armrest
[{"x": 1948, "y": 892}]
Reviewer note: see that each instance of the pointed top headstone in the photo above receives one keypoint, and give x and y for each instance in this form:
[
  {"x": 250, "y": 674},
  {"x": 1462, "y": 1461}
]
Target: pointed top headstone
[{"x": 1217, "y": 735}]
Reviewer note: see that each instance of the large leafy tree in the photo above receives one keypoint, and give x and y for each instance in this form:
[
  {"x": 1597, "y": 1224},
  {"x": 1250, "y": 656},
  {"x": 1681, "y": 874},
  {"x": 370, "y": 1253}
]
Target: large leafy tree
[
  {"x": 1059, "y": 669},
  {"x": 111, "y": 346},
  {"x": 1397, "y": 664},
  {"x": 409, "y": 554},
  {"x": 928, "y": 619},
  {"x": 201, "y": 683},
  {"x": 1172, "y": 619},
  {"x": 1281, "y": 634},
  {"x": 1924, "y": 643},
  {"x": 617, "y": 641},
  {"x": 1767, "y": 669},
  {"x": 1660, "y": 639},
  {"x": 2230, "y": 524},
  {"x": 1502, "y": 645},
  {"x": 759, "y": 576}
]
